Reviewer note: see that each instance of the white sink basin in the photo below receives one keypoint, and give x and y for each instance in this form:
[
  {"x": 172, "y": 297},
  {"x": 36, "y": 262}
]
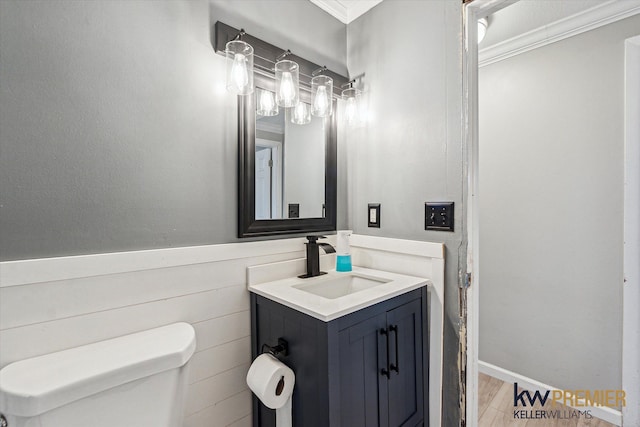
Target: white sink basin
[
  {"x": 336, "y": 294},
  {"x": 336, "y": 287}
]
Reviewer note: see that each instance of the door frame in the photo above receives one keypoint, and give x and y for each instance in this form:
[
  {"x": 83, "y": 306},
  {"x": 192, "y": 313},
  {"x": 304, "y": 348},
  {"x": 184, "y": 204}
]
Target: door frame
[
  {"x": 277, "y": 187},
  {"x": 631, "y": 286},
  {"x": 472, "y": 11}
]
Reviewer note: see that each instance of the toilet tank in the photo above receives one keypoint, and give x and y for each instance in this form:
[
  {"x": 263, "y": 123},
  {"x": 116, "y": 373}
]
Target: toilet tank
[{"x": 137, "y": 380}]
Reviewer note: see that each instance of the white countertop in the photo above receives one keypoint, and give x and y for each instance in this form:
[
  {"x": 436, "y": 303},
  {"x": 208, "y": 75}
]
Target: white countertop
[{"x": 284, "y": 292}]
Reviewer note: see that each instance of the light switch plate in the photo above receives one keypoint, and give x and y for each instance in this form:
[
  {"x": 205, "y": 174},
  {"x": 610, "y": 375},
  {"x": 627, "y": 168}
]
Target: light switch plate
[
  {"x": 438, "y": 216},
  {"x": 373, "y": 215}
]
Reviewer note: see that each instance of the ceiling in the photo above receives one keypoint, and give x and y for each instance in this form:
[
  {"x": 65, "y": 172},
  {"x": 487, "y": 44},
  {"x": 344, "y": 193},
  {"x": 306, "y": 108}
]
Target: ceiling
[{"x": 345, "y": 10}]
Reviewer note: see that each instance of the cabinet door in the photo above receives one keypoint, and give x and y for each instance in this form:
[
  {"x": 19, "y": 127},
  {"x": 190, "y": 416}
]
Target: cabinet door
[
  {"x": 307, "y": 357},
  {"x": 405, "y": 384},
  {"x": 363, "y": 352}
]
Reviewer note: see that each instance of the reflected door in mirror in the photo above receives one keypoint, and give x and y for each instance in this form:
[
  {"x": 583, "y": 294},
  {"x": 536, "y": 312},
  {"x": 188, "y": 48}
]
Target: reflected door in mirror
[{"x": 268, "y": 182}]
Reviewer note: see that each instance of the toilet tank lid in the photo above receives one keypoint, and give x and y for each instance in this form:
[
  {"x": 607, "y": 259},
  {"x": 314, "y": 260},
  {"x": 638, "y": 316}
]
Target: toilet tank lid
[{"x": 33, "y": 386}]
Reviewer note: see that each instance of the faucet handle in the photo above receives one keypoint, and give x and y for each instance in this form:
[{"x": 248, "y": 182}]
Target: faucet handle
[{"x": 313, "y": 239}]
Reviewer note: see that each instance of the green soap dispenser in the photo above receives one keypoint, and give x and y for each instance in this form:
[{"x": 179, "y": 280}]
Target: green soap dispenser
[{"x": 343, "y": 252}]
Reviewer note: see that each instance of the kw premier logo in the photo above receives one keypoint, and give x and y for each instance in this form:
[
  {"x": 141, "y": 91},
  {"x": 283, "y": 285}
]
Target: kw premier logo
[{"x": 571, "y": 399}]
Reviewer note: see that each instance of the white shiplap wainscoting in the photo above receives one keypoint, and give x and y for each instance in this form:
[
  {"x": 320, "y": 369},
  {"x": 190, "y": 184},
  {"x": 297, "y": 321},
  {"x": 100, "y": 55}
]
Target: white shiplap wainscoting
[
  {"x": 52, "y": 304},
  {"x": 47, "y": 305}
]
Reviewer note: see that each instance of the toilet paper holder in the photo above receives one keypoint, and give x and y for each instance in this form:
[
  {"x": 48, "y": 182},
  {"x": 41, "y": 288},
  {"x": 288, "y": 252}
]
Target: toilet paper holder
[{"x": 282, "y": 348}]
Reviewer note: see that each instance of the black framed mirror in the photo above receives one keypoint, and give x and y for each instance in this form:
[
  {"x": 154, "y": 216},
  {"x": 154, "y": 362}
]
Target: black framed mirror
[
  {"x": 301, "y": 195},
  {"x": 299, "y": 175}
]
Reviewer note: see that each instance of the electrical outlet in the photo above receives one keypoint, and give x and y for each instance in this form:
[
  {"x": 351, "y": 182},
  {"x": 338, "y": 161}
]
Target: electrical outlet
[
  {"x": 438, "y": 216},
  {"x": 294, "y": 210}
]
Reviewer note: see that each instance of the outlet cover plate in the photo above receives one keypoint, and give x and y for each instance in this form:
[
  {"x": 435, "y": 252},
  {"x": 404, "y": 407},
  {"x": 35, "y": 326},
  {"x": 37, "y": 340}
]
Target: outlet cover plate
[
  {"x": 438, "y": 216},
  {"x": 294, "y": 210}
]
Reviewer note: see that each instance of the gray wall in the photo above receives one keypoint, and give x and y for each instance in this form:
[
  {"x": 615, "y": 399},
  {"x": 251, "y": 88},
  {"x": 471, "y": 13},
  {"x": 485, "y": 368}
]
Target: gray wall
[
  {"x": 116, "y": 134},
  {"x": 410, "y": 151},
  {"x": 551, "y": 210},
  {"x": 116, "y": 130}
]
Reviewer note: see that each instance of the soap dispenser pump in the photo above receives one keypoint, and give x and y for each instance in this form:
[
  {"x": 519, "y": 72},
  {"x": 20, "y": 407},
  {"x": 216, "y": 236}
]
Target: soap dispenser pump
[{"x": 343, "y": 259}]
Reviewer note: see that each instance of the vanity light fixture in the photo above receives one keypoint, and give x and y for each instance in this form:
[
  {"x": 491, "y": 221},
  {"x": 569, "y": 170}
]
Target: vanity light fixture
[
  {"x": 239, "y": 66},
  {"x": 351, "y": 96},
  {"x": 482, "y": 28},
  {"x": 287, "y": 81},
  {"x": 321, "y": 94},
  {"x": 301, "y": 114},
  {"x": 266, "y": 103},
  {"x": 287, "y": 78}
]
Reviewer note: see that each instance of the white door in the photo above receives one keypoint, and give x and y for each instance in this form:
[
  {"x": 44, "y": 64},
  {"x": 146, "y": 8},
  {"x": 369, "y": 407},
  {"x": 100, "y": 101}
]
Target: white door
[
  {"x": 263, "y": 183},
  {"x": 276, "y": 181}
]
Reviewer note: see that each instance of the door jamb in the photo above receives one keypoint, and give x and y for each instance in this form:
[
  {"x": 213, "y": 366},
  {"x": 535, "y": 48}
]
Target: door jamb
[
  {"x": 631, "y": 285},
  {"x": 472, "y": 11}
]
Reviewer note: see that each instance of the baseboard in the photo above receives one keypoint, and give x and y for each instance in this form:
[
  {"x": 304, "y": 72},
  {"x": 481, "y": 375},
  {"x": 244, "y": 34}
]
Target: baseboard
[{"x": 606, "y": 414}]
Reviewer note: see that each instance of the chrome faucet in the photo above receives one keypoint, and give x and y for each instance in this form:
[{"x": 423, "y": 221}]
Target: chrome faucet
[{"x": 313, "y": 256}]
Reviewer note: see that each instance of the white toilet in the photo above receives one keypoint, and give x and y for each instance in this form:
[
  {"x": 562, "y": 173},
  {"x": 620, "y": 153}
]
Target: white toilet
[{"x": 137, "y": 380}]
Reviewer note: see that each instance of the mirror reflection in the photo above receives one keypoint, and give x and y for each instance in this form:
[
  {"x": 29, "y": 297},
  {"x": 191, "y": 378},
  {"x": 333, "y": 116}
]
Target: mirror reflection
[{"x": 289, "y": 160}]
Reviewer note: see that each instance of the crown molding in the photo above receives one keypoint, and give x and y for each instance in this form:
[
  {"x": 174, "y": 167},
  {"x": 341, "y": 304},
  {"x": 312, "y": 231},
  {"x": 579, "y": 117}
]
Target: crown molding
[
  {"x": 345, "y": 10},
  {"x": 334, "y": 8},
  {"x": 359, "y": 8},
  {"x": 590, "y": 19}
]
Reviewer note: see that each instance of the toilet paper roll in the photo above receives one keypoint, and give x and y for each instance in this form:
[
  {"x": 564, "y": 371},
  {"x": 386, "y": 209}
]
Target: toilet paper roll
[{"x": 272, "y": 382}]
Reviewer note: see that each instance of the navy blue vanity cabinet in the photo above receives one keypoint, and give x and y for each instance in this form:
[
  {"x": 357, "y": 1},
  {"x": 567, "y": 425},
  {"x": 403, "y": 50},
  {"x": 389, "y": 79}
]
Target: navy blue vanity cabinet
[{"x": 365, "y": 369}]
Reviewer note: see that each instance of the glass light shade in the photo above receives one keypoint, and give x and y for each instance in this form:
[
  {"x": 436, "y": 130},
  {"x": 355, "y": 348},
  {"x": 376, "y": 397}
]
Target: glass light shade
[
  {"x": 239, "y": 67},
  {"x": 266, "y": 103},
  {"x": 301, "y": 114},
  {"x": 321, "y": 96},
  {"x": 287, "y": 83},
  {"x": 351, "y": 96},
  {"x": 482, "y": 28}
]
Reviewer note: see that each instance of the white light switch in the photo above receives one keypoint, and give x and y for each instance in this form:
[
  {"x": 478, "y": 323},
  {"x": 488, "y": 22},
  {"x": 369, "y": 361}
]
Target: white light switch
[{"x": 374, "y": 215}]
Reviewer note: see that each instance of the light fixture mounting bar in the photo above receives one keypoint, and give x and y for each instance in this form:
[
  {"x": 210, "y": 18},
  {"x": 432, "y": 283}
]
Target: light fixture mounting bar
[
  {"x": 266, "y": 55},
  {"x": 319, "y": 71},
  {"x": 240, "y": 34},
  {"x": 351, "y": 82},
  {"x": 283, "y": 55},
  {"x": 348, "y": 84}
]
